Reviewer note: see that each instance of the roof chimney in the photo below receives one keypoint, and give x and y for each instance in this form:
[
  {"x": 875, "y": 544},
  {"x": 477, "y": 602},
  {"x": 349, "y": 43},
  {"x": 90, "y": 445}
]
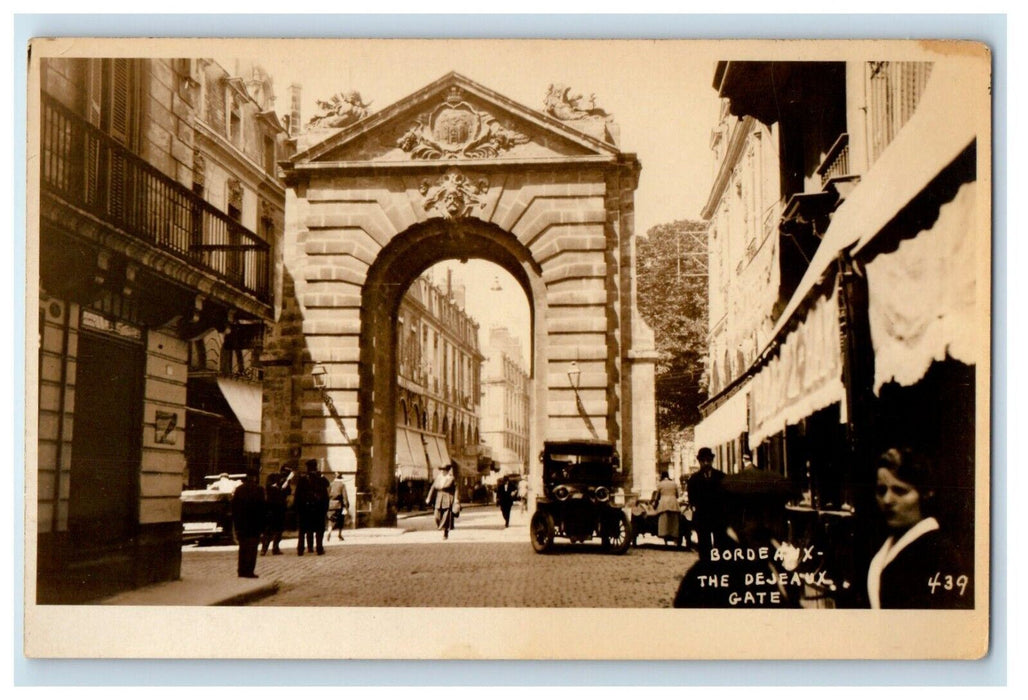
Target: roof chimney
[{"x": 294, "y": 109}]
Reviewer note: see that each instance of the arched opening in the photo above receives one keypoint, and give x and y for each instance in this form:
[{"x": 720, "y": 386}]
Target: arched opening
[{"x": 395, "y": 269}]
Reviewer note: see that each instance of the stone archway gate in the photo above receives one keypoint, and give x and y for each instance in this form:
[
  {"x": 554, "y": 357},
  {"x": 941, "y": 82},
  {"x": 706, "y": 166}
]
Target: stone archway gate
[{"x": 455, "y": 170}]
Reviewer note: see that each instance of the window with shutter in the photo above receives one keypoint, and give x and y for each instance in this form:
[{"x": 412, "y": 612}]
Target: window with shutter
[
  {"x": 120, "y": 101},
  {"x": 94, "y": 111},
  {"x": 117, "y": 121}
]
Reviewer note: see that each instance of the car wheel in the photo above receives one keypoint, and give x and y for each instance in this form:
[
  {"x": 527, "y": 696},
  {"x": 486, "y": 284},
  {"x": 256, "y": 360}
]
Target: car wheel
[
  {"x": 617, "y": 535},
  {"x": 541, "y": 530}
]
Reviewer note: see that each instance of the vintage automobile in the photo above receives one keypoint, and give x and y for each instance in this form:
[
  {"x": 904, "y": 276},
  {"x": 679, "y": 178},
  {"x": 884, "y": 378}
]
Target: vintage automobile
[
  {"x": 582, "y": 496},
  {"x": 207, "y": 513}
]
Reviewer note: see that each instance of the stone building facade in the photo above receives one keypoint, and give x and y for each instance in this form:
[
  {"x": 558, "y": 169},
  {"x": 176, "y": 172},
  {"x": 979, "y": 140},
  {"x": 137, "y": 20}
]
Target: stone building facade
[
  {"x": 439, "y": 386},
  {"x": 505, "y": 408},
  {"x": 134, "y": 265},
  {"x": 456, "y": 171}
]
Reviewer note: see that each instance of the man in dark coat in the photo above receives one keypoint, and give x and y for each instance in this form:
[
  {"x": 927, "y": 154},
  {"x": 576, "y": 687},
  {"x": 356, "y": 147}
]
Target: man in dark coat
[
  {"x": 704, "y": 489},
  {"x": 505, "y": 492},
  {"x": 747, "y": 572},
  {"x": 248, "y": 518},
  {"x": 311, "y": 502},
  {"x": 277, "y": 494},
  {"x": 759, "y": 496}
]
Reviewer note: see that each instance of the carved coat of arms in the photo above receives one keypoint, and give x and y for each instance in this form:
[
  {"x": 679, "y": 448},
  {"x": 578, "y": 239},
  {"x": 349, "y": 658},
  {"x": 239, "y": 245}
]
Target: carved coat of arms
[{"x": 455, "y": 129}]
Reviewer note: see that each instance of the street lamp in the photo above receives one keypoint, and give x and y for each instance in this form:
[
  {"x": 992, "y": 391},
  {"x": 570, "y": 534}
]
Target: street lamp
[
  {"x": 574, "y": 376},
  {"x": 319, "y": 374}
]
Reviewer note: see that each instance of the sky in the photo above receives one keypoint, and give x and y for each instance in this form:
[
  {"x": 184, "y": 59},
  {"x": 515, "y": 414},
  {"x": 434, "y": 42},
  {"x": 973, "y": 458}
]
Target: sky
[{"x": 659, "y": 93}]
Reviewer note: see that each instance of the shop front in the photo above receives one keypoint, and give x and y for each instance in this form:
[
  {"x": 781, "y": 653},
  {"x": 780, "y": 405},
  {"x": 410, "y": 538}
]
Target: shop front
[
  {"x": 724, "y": 429},
  {"x": 419, "y": 456},
  {"x": 879, "y": 351}
]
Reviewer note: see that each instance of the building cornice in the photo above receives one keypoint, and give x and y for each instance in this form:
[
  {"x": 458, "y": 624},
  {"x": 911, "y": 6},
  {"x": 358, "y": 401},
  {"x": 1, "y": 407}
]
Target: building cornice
[{"x": 736, "y": 141}]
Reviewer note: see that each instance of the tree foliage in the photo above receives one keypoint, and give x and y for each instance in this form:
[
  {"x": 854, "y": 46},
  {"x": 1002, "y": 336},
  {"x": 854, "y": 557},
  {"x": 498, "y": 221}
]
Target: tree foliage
[{"x": 672, "y": 297}]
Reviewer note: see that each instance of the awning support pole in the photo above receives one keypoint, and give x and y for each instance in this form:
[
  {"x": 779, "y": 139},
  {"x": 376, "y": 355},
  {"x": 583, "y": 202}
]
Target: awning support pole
[{"x": 857, "y": 377}]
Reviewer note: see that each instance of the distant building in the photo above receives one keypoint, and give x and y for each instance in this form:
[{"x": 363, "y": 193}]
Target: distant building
[
  {"x": 439, "y": 387},
  {"x": 159, "y": 223},
  {"x": 505, "y": 402}
]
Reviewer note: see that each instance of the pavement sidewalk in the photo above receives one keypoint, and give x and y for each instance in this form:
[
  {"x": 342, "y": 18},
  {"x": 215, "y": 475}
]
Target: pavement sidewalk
[{"x": 476, "y": 524}]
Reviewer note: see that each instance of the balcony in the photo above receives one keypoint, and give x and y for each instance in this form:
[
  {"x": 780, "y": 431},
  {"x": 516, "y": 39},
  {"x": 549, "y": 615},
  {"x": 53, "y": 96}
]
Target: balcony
[
  {"x": 90, "y": 171},
  {"x": 836, "y": 171}
]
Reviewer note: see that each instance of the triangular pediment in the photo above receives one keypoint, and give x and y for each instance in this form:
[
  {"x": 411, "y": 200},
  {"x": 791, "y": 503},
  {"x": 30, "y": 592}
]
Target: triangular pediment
[{"x": 453, "y": 118}]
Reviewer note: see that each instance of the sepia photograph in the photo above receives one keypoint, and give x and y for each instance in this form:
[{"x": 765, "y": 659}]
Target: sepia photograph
[{"x": 575, "y": 345}]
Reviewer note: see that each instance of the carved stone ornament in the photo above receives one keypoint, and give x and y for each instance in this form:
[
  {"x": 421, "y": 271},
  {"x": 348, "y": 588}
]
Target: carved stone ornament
[
  {"x": 343, "y": 109},
  {"x": 264, "y": 208},
  {"x": 454, "y": 194},
  {"x": 455, "y": 129},
  {"x": 199, "y": 168},
  {"x": 561, "y": 104},
  {"x": 235, "y": 193}
]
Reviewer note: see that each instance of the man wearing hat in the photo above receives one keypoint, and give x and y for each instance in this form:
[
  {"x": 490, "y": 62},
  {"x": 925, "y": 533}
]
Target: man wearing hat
[
  {"x": 704, "y": 489},
  {"x": 444, "y": 489},
  {"x": 311, "y": 501},
  {"x": 248, "y": 518}
]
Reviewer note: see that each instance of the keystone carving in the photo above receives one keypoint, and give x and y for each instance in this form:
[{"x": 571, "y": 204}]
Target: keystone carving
[
  {"x": 455, "y": 129},
  {"x": 454, "y": 195}
]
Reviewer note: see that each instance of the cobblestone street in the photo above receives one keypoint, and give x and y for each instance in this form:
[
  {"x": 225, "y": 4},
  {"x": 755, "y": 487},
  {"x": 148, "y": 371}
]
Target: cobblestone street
[{"x": 481, "y": 565}]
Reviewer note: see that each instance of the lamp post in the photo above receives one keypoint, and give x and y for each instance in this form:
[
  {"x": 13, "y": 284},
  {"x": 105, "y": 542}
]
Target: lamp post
[
  {"x": 318, "y": 374},
  {"x": 574, "y": 376}
]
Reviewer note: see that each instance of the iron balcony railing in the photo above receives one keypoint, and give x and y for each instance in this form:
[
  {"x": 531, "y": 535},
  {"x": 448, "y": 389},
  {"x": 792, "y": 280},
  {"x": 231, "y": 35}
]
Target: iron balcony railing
[
  {"x": 837, "y": 161},
  {"x": 90, "y": 170}
]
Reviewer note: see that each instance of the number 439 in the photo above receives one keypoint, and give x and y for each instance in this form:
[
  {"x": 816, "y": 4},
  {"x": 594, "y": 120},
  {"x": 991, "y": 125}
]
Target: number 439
[{"x": 948, "y": 583}]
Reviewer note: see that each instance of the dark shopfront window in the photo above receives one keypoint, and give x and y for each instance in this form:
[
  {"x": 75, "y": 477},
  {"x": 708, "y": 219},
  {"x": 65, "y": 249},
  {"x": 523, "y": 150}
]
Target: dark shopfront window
[{"x": 816, "y": 459}]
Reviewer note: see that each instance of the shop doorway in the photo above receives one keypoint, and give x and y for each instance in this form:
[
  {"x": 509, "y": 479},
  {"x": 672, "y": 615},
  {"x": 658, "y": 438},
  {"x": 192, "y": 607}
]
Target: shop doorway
[{"x": 105, "y": 454}]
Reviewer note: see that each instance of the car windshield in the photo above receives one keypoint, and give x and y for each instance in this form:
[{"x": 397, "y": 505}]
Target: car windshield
[
  {"x": 569, "y": 464},
  {"x": 581, "y": 459}
]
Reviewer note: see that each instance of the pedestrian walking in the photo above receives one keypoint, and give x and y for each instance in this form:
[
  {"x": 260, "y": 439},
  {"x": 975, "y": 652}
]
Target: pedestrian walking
[
  {"x": 506, "y": 492},
  {"x": 340, "y": 504},
  {"x": 248, "y": 519},
  {"x": 666, "y": 505},
  {"x": 311, "y": 502},
  {"x": 444, "y": 491},
  {"x": 523, "y": 494},
  {"x": 704, "y": 489},
  {"x": 276, "y": 497}
]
